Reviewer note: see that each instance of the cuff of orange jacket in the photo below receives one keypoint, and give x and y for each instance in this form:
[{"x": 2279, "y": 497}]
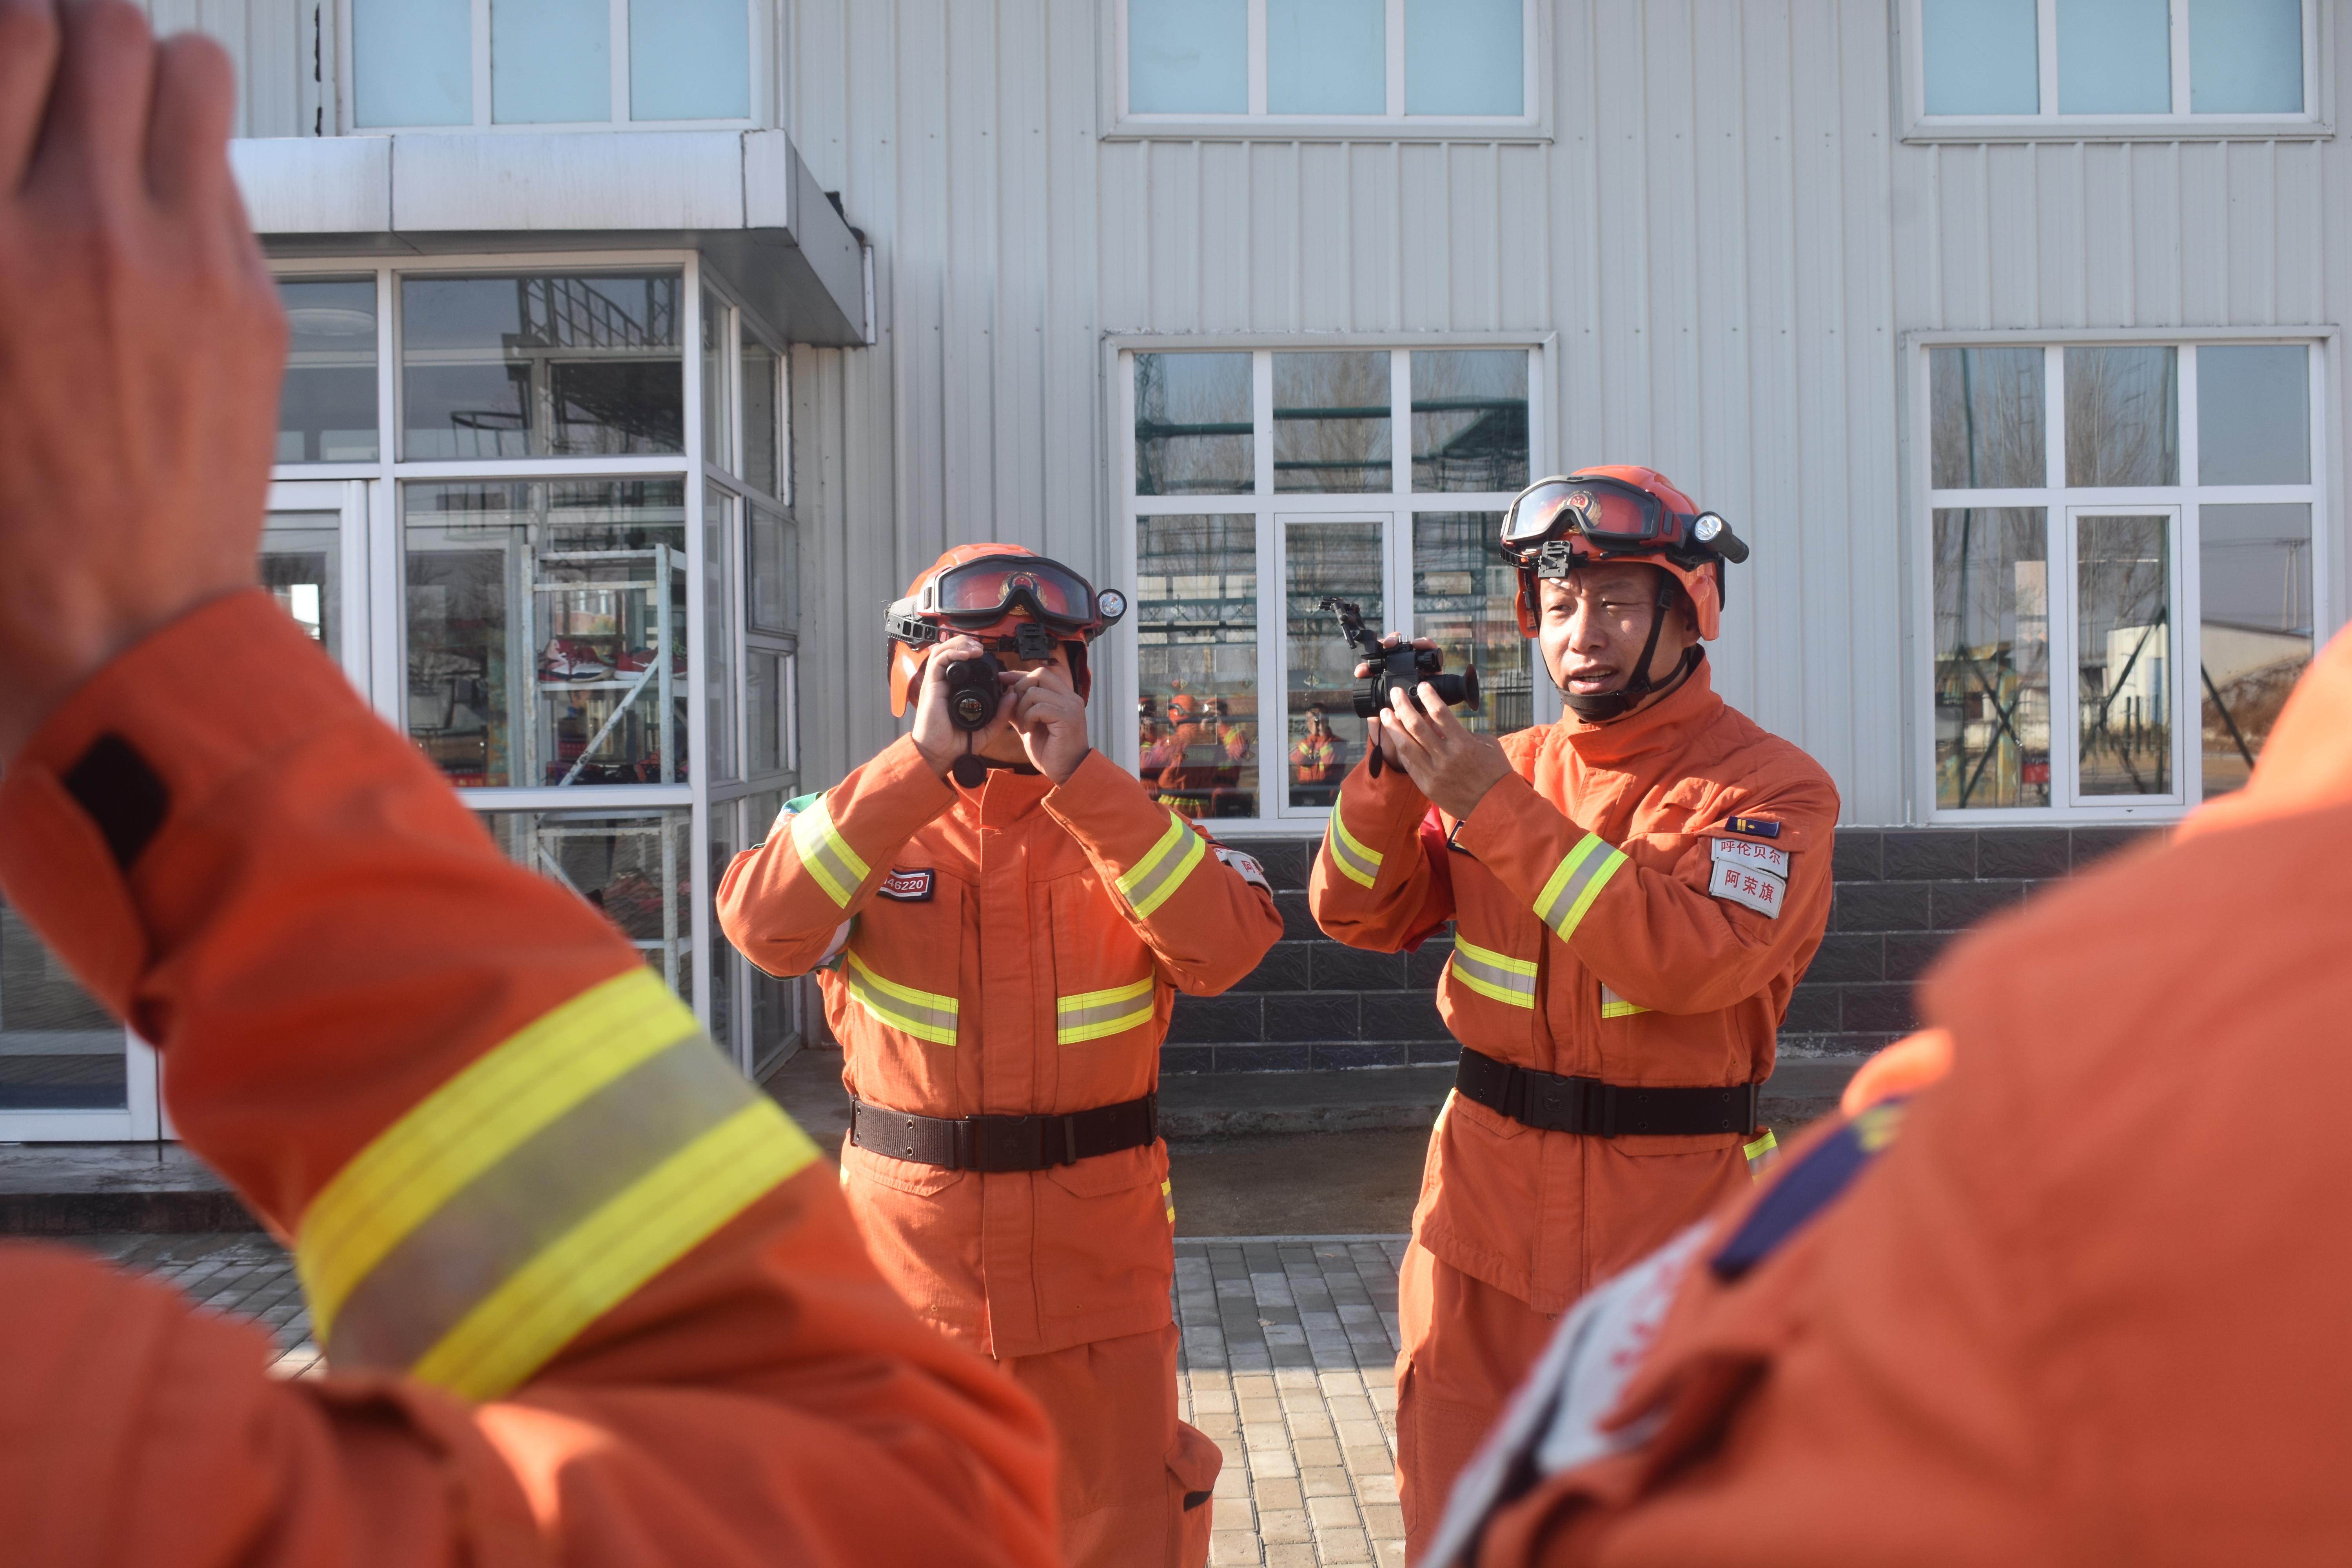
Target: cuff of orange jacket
[
  {"x": 157, "y": 729},
  {"x": 1106, "y": 811},
  {"x": 1375, "y": 825}
]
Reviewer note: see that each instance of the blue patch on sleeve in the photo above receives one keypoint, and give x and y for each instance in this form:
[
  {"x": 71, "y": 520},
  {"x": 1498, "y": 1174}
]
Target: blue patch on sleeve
[
  {"x": 1806, "y": 1188},
  {"x": 1754, "y": 827}
]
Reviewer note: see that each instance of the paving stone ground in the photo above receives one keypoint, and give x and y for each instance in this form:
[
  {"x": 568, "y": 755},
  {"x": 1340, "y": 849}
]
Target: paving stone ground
[{"x": 1289, "y": 1358}]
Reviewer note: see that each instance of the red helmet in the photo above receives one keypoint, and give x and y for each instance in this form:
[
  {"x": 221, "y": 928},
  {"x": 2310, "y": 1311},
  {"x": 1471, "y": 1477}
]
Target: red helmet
[
  {"x": 994, "y": 591},
  {"x": 1619, "y": 512}
]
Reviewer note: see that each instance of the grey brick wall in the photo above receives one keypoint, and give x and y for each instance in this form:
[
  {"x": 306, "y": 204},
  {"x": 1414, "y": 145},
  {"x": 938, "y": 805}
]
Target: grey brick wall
[{"x": 1902, "y": 894}]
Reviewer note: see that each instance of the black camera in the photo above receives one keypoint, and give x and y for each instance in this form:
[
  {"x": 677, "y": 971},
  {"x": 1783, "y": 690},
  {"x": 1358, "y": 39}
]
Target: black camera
[
  {"x": 1403, "y": 667},
  {"x": 972, "y": 690}
]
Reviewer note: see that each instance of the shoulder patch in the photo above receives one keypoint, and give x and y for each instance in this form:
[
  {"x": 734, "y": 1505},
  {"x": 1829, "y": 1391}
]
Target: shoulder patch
[
  {"x": 908, "y": 886},
  {"x": 1749, "y": 855},
  {"x": 1759, "y": 890},
  {"x": 1807, "y": 1188},
  {"x": 1754, "y": 827},
  {"x": 1244, "y": 866}
]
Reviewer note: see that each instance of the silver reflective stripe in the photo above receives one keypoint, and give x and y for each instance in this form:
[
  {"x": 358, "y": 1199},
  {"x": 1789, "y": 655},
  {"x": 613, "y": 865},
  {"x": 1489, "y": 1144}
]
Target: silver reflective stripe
[
  {"x": 1493, "y": 974},
  {"x": 1357, "y": 860},
  {"x": 1163, "y": 868},
  {"x": 827, "y": 855},
  {"x": 1092, "y": 1015},
  {"x": 1578, "y": 880}
]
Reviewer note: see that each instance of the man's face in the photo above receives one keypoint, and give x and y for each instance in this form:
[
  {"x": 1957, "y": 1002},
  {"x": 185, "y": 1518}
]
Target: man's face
[
  {"x": 1317, "y": 724},
  {"x": 1595, "y": 622}
]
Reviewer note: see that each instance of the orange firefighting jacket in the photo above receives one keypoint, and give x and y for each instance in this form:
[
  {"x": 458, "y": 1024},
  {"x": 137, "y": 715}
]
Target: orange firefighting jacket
[
  {"x": 2084, "y": 1299},
  {"x": 1012, "y": 950},
  {"x": 1633, "y": 904},
  {"x": 588, "y": 1298}
]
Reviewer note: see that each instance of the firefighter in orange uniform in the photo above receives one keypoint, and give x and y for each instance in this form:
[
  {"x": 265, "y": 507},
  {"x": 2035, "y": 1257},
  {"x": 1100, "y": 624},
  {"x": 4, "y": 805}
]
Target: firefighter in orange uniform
[
  {"x": 1001, "y": 919},
  {"x": 1635, "y": 891},
  {"x": 588, "y": 1298},
  {"x": 2068, "y": 1285}
]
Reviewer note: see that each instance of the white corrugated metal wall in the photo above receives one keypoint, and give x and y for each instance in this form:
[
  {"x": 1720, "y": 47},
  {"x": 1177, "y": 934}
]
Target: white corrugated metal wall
[
  {"x": 275, "y": 43},
  {"x": 1725, "y": 234}
]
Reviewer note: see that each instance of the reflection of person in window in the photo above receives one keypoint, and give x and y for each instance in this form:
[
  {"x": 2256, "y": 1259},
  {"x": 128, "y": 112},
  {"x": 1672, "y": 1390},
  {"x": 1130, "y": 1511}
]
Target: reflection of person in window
[
  {"x": 1232, "y": 751},
  {"x": 1319, "y": 757},
  {"x": 1190, "y": 773},
  {"x": 1152, "y": 744}
]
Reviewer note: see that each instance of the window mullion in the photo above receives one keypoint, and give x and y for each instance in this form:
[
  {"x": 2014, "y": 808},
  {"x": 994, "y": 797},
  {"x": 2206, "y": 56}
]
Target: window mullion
[
  {"x": 616, "y": 16},
  {"x": 1257, "y": 98},
  {"x": 1395, "y": 59},
  {"x": 2046, "y": 55},
  {"x": 482, "y": 116},
  {"x": 1399, "y": 554},
  {"x": 2180, "y": 57}
]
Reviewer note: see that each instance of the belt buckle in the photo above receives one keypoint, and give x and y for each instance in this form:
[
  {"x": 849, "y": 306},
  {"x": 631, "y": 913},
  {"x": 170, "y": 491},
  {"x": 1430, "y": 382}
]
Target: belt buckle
[{"x": 1010, "y": 1142}]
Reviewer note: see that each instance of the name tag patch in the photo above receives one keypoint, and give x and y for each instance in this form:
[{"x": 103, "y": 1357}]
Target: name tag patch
[
  {"x": 1739, "y": 852},
  {"x": 1754, "y": 827},
  {"x": 906, "y": 887},
  {"x": 1759, "y": 890},
  {"x": 1245, "y": 866}
]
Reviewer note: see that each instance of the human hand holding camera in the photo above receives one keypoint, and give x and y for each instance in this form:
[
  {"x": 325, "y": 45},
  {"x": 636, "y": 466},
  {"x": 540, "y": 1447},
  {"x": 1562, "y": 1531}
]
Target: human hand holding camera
[
  {"x": 1451, "y": 764},
  {"x": 140, "y": 346},
  {"x": 1039, "y": 717}
]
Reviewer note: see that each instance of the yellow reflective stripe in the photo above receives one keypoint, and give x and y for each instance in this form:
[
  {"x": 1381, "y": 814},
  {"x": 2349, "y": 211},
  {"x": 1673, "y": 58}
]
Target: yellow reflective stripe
[
  {"x": 1760, "y": 1153},
  {"x": 826, "y": 854},
  {"x": 1494, "y": 975},
  {"x": 1091, "y": 1014},
  {"x": 1163, "y": 868},
  {"x": 1358, "y": 861},
  {"x": 473, "y": 1121},
  {"x": 922, "y": 1014},
  {"x": 1615, "y": 1007},
  {"x": 1575, "y": 882},
  {"x": 1168, "y": 1197},
  {"x": 609, "y": 1255}
]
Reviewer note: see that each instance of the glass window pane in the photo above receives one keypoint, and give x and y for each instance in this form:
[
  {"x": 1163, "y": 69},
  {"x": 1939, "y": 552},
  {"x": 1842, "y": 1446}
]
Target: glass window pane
[
  {"x": 634, "y": 866},
  {"x": 1985, "y": 419},
  {"x": 1192, "y": 430},
  {"x": 1326, "y": 57},
  {"x": 775, "y": 1017},
  {"x": 59, "y": 1050},
  {"x": 302, "y": 567},
  {"x": 776, "y": 572},
  {"x": 538, "y": 616},
  {"x": 717, "y": 413},
  {"x": 764, "y": 700},
  {"x": 2254, "y": 415},
  {"x": 2245, "y": 56},
  {"x": 2114, "y": 56},
  {"x": 1188, "y": 57},
  {"x": 2123, "y": 620},
  {"x": 1982, "y": 57},
  {"x": 1324, "y": 735},
  {"x": 1462, "y": 592},
  {"x": 1196, "y": 662},
  {"x": 2123, "y": 416},
  {"x": 689, "y": 59},
  {"x": 1992, "y": 658},
  {"x": 761, "y": 427},
  {"x": 723, "y": 960},
  {"x": 1331, "y": 422},
  {"x": 551, "y": 61},
  {"x": 411, "y": 62},
  {"x": 2255, "y": 635},
  {"x": 1470, "y": 420},
  {"x": 1465, "y": 57},
  {"x": 718, "y": 631},
  {"x": 539, "y": 366},
  {"x": 326, "y": 405}
]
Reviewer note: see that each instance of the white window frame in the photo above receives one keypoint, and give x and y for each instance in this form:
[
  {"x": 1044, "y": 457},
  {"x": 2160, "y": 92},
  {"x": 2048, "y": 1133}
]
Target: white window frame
[
  {"x": 2314, "y": 121},
  {"x": 762, "y": 43},
  {"x": 1121, "y": 123},
  {"x": 2060, "y": 504},
  {"x": 1114, "y": 727}
]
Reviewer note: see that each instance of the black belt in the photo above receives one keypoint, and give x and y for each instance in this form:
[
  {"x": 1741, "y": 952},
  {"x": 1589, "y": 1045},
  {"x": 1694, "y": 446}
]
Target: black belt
[
  {"x": 1005, "y": 1143},
  {"x": 1599, "y": 1109}
]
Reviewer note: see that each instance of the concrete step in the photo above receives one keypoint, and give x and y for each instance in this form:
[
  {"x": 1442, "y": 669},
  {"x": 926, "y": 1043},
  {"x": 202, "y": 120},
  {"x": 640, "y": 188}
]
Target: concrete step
[{"x": 83, "y": 1189}]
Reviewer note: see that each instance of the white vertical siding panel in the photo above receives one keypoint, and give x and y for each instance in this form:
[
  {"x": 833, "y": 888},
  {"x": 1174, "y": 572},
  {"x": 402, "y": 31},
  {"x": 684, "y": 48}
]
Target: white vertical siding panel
[
  {"x": 2156, "y": 238},
  {"x": 1077, "y": 525},
  {"x": 971, "y": 213},
  {"x": 2059, "y": 285},
  {"x": 2010, "y": 238},
  {"x": 1175, "y": 194},
  {"x": 1962, "y": 217},
  {"x": 1620, "y": 217},
  {"x": 1373, "y": 224},
  {"x": 1669, "y": 233},
  {"x": 1126, "y": 263},
  {"x": 1725, "y": 478},
  {"x": 1775, "y": 573},
  {"x": 2300, "y": 220},
  {"x": 925, "y": 373},
  {"x": 1274, "y": 237},
  {"x": 2109, "y": 299},
  {"x": 1523, "y": 263},
  {"x": 1224, "y": 236},
  {"x": 2250, "y": 170},
  {"x": 1573, "y": 184},
  {"x": 1427, "y": 250},
  {"x": 271, "y": 76},
  {"x": 1017, "y": 383},
  {"x": 1472, "y": 211},
  {"x": 2204, "y": 234},
  {"x": 1325, "y": 233}
]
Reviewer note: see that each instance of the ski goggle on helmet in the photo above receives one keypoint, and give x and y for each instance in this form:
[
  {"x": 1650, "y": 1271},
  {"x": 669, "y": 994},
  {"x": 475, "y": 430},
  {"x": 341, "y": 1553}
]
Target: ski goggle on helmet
[
  {"x": 1558, "y": 525},
  {"x": 977, "y": 590}
]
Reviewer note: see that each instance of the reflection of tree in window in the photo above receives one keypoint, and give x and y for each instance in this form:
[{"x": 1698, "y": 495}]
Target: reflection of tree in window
[
  {"x": 1342, "y": 559},
  {"x": 2123, "y": 632},
  {"x": 1192, "y": 429},
  {"x": 1985, "y": 418},
  {"x": 1470, "y": 420},
  {"x": 1331, "y": 422},
  {"x": 1462, "y": 592},
  {"x": 1196, "y": 655},
  {"x": 2123, "y": 416},
  {"x": 2255, "y": 628},
  {"x": 1993, "y": 648}
]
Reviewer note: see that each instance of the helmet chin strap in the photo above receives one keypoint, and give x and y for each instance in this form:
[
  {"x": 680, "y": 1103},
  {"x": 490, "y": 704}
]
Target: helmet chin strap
[{"x": 1602, "y": 706}]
